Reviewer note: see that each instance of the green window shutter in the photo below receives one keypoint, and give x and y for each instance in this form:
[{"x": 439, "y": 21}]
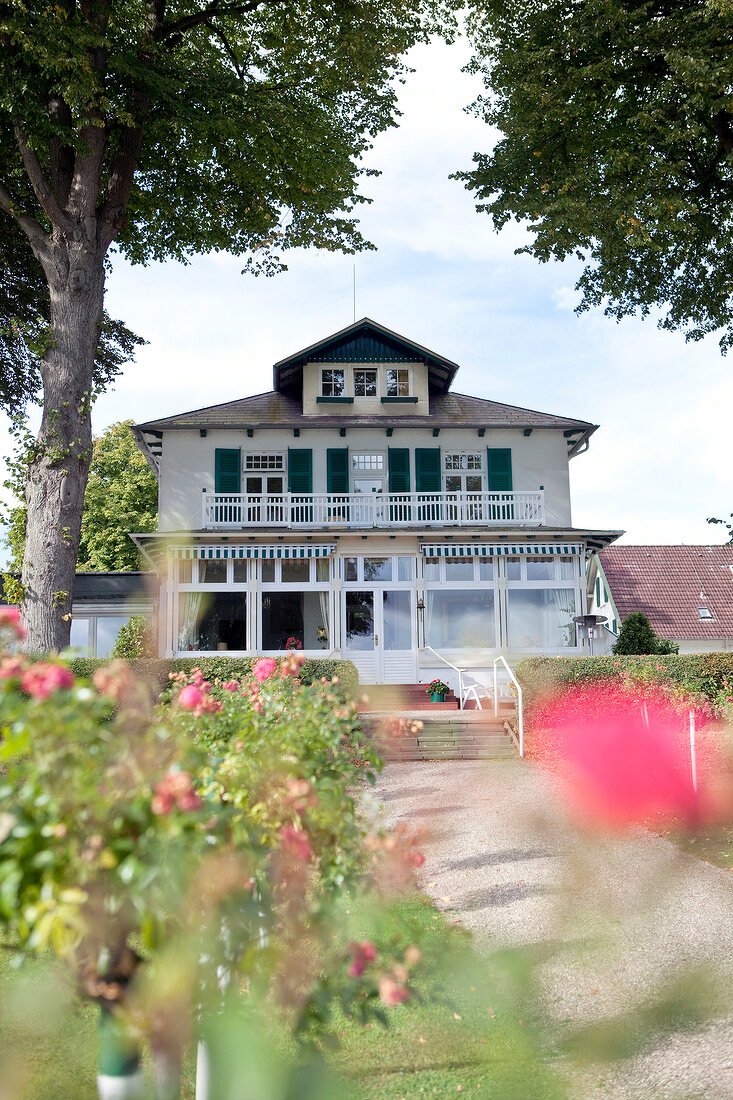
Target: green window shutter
[
  {"x": 598, "y": 592},
  {"x": 227, "y": 470},
  {"x": 300, "y": 470},
  {"x": 499, "y": 469},
  {"x": 427, "y": 470},
  {"x": 399, "y": 469},
  {"x": 337, "y": 470}
]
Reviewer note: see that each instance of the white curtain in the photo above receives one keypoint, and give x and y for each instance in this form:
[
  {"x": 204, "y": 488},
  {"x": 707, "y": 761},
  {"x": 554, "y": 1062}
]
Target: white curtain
[
  {"x": 187, "y": 634},
  {"x": 323, "y": 601},
  {"x": 564, "y": 602}
]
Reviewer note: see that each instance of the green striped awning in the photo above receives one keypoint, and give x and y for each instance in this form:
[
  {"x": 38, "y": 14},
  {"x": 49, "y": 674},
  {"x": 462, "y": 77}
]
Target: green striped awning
[
  {"x": 483, "y": 550},
  {"x": 210, "y": 552}
]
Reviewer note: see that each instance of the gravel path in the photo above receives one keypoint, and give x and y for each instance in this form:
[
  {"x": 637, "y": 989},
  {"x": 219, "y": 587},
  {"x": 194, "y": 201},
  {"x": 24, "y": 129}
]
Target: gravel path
[{"x": 629, "y": 917}]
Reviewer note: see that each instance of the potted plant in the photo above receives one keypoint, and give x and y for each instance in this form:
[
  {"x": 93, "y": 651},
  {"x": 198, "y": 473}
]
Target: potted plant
[
  {"x": 437, "y": 691},
  {"x": 293, "y": 643}
]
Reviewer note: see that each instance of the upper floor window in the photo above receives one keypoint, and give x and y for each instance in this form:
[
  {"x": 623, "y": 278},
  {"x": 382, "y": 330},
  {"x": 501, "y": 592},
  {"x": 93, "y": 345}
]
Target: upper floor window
[
  {"x": 332, "y": 383},
  {"x": 398, "y": 383},
  {"x": 365, "y": 383},
  {"x": 463, "y": 461},
  {"x": 367, "y": 462},
  {"x": 264, "y": 462}
]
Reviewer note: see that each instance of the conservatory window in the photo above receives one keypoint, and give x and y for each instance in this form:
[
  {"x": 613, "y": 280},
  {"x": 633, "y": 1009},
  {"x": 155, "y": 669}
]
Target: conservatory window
[
  {"x": 460, "y": 618},
  {"x": 541, "y": 618},
  {"x": 295, "y": 617},
  {"x": 213, "y": 571},
  {"x": 212, "y": 621}
]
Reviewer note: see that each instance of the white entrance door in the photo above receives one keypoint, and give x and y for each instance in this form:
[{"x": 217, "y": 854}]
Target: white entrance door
[{"x": 379, "y": 635}]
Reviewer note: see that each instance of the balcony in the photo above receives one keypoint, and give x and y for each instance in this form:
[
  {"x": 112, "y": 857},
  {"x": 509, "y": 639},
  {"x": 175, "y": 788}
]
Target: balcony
[{"x": 310, "y": 511}]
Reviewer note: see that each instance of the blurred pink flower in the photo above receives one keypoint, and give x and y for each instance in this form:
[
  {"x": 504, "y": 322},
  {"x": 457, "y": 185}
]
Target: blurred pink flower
[
  {"x": 361, "y": 955},
  {"x": 12, "y": 666},
  {"x": 391, "y": 992},
  {"x": 264, "y": 668},
  {"x": 624, "y": 756},
  {"x": 231, "y": 685},
  {"x": 10, "y": 618},
  {"x": 174, "y": 789},
  {"x": 41, "y": 680},
  {"x": 190, "y": 697},
  {"x": 296, "y": 843}
]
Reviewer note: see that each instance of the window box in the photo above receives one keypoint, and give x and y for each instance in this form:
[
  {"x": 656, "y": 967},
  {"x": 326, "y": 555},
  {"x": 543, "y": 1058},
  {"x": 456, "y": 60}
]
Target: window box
[
  {"x": 399, "y": 401},
  {"x": 335, "y": 400}
]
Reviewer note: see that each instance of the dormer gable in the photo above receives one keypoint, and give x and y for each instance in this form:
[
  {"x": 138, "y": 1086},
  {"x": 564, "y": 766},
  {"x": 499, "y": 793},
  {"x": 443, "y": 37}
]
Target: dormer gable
[{"x": 364, "y": 344}]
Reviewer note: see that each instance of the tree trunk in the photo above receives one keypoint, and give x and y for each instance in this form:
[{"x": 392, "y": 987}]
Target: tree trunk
[{"x": 58, "y": 473}]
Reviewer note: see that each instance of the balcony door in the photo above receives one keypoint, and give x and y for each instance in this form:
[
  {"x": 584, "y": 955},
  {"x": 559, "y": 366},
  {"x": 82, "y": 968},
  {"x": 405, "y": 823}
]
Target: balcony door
[
  {"x": 259, "y": 488},
  {"x": 378, "y": 629}
]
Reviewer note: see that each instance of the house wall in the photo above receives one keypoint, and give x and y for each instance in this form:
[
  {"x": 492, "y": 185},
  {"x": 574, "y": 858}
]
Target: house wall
[{"x": 187, "y": 461}]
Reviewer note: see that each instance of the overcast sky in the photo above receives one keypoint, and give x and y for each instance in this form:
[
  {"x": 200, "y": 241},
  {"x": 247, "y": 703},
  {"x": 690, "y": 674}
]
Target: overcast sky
[{"x": 659, "y": 464}]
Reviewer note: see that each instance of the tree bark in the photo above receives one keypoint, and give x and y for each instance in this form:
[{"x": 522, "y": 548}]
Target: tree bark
[{"x": 59, "y": 470}]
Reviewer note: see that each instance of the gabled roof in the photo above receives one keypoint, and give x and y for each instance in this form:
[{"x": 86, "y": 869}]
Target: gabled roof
[
  {"x": 363, "y": 342},
  {"x": 449, "y": 410},
  {"x": 670, "y": 583}
]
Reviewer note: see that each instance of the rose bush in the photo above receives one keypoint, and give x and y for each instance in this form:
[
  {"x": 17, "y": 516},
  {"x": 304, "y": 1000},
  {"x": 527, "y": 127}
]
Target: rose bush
[{"x": 206, "y": 832}]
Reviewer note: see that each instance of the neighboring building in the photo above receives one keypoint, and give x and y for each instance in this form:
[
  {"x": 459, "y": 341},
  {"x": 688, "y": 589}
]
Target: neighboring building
[
  {"x": 102, "y": 603},
  {"x": 366, "y": 511},
  {"x": 686, "y": 592}
]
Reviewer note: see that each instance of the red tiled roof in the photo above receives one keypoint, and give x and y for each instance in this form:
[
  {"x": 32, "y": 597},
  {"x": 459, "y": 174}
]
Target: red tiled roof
[{"x": 669, "y": 583}]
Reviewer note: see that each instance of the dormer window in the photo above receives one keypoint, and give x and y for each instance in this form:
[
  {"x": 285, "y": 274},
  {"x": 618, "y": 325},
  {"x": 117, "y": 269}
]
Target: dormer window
[
  {"x": 398, "y": 383},
  {"x": 332, "y": 383},
  {"x": 365, "y": 383},
  {"x": 704, "y": 612}
]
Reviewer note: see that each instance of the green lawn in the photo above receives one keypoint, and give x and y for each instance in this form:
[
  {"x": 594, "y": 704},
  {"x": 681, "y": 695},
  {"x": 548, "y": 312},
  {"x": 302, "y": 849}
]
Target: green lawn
[
  {"x": 712, "y": 845},
  {"x": 466, "y": 1039}
]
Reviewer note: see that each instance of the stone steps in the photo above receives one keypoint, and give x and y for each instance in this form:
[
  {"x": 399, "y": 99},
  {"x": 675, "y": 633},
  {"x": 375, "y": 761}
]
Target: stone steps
[{"x": 469, "y": 735}]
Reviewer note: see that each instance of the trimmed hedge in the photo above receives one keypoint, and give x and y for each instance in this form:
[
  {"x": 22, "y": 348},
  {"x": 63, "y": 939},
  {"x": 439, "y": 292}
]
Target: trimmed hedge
[
  {"x": 701, "y": 674},
  {"x": 156, "y": 669}
]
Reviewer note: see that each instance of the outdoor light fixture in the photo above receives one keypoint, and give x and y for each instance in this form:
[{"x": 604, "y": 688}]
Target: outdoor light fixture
[
  {"x": 589, "y": 623},
  {"x": 421, "y": 619}
]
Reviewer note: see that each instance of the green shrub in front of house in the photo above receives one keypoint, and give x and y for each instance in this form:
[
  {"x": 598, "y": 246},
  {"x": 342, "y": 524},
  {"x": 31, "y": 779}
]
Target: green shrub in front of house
[
  {"x": 703, "y": 678},
  {"x": 156, "y": 670}
]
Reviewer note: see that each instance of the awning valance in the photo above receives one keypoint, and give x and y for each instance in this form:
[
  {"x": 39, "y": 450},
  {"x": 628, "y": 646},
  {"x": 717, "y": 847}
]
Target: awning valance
[
  {"x": 484, "y": 550},
  {"x": 286, "y": 550}
]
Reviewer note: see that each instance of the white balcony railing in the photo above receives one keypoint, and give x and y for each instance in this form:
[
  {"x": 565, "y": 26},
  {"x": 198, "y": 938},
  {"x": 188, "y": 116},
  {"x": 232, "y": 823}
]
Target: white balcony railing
[{"x": 314, "y": 510}]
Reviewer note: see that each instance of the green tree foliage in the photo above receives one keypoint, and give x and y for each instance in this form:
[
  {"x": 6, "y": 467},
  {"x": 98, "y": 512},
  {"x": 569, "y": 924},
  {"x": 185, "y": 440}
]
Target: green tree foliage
[
  {"x": 25, "y": 331},
  {"x": 121, "y": 496},
  {"x": 638, "y": 636},
  {"x": 727, "y": 523},
  {"x": 616, "y": 124},
  {"x": 169, "y": 129}
]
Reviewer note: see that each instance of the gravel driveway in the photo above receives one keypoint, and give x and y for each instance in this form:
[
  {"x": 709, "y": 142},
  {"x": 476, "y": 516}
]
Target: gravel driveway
[{"x": 632, "y": 915}]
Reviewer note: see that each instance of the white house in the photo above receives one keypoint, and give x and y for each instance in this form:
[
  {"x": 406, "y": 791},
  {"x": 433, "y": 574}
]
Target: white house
[
  {"x": 686, "y": 592},
  {"x": 365, "y": 510}
]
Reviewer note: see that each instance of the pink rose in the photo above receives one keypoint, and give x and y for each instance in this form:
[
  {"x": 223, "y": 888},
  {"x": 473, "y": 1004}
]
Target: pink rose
[
  {"x": 264, "y": 668},
  {"x": 296, "y": 843},
  {"x": 362, "y": 954},
  {"x": 42, "y": 680},
  {"x": 391, "y": 992},
  {"x": 175, "y": 788},
  {"x": 10, "y": 619},
  {"x": 231, "y": 685},
  {"x": 12, "y": 666},
  {"x": 190, "y": 697}
]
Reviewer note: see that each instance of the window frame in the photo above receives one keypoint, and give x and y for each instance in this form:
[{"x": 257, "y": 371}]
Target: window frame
[
  {"x": 332, "y": 381},
  {"x": 365, "y": 370},
  {"x": 397, "y": 371}
]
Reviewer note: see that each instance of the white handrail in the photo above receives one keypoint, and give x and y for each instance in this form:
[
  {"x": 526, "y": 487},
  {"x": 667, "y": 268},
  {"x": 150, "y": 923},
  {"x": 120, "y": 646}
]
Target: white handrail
[
  {"x": 455, "y": 668},
  {"x": 518, "y": 686}
]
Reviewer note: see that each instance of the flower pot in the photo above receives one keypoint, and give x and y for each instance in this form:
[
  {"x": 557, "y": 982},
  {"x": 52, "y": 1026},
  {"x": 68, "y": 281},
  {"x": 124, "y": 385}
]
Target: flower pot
[{"x": 437, "y": 697}]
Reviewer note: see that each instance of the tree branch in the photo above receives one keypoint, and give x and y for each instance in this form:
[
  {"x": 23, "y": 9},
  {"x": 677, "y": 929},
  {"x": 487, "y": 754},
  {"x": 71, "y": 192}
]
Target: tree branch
[
  {"x": 33, "y": 229},
  {"x": 113, "y": 208},
  {"x": 62, "y": 155},
  {"x": 43, "y": 192},
  {"x": 179, "y": 27}
]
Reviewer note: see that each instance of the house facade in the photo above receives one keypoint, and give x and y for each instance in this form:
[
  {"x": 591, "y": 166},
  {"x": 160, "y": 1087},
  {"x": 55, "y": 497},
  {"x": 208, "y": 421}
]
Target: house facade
[
  {"x": 686, "y": 592},
  {"x": 363, "y": 509}
]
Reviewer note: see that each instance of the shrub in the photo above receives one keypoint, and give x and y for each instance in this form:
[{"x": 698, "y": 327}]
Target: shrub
[
  {"x": 134, "y": 640},
  {"x": 215, "y": 833},
  {"x": 155, "y": 670},
  {"x": 637, "y": 636},
  {"x": 702, "y": 680}
]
